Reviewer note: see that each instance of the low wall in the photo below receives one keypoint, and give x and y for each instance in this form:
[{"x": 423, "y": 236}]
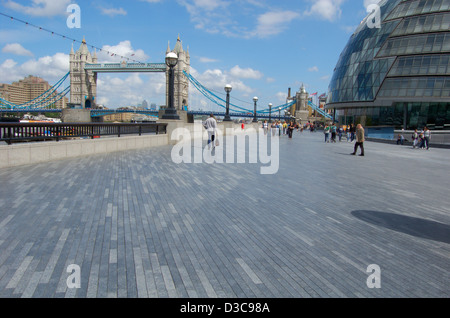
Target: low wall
[
  {"x": 439, "y": 138},
  {"x": 38, "y": 152}
]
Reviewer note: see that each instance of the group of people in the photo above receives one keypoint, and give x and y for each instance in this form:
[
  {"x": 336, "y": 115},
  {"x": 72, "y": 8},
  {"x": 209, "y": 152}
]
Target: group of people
[
  {"x": 281, "y": 128},
  {"x": 335, "y": 131},
  {"x": 421, "y": 139},
  {"x": 353, "y": 133}
]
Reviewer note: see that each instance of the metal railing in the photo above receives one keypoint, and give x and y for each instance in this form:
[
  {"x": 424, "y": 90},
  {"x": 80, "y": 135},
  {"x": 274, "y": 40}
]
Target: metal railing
[{"x": 12, "y": 132}]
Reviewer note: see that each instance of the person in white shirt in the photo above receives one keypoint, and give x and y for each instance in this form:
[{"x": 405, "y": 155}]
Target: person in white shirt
[{"x": 211, "y": 127}]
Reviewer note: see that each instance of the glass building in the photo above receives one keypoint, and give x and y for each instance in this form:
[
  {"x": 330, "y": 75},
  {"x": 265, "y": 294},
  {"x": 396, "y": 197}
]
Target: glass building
[{"x": 398, "y": 74}]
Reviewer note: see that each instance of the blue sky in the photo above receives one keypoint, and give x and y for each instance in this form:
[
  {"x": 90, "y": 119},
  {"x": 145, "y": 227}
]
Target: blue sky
[{"x": 261, "y": 48}]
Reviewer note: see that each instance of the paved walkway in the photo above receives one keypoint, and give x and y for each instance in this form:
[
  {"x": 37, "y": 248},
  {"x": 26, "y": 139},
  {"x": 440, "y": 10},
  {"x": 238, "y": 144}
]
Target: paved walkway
[{"x": 138, "y": 225}]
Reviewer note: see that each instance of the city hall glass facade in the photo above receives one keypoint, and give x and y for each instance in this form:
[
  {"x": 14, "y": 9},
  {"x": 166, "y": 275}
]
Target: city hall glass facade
[{"x": 399, "y": 74}]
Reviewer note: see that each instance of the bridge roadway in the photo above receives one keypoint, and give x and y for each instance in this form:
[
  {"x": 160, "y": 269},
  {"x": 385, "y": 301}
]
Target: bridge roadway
[{"x": 139, "y": 225}]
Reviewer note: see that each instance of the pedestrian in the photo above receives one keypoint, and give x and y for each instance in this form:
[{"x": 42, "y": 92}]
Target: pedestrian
[
  {"x": 427, "y": 137},
  {"x": 415, "y": 138},
  {"x": 400, "y": 139},
  {"x": 340, "y": 132},
  {"x": 421, "y": 140},
  {"x": 359, "y": 135},
  {"x": 333, "y": 132},
  {"x": 211, "y": 126},
  {"x": 273, "y": 128},
  {"x": 326, "y": 131},
  {"x": 349, "y": 133},
  {"x": 291, "y": 129},
  {"x": 352, "y": 132},
  {"x": 265, "y": 127}
]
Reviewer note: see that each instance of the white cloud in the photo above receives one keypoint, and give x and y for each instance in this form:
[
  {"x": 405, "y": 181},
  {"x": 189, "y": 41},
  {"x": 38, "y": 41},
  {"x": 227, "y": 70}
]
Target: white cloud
[
  {"x": 313, "y": 69},
  {"x": 207, "y": 60},
  {"x": 113, "y": 11},
  {"x": 326, "y": 9},
  {"x": 43, "y": 8},
  {"x": 17, "y": 49},
  {"x": 207, "y": 5},
  {"x": 272, "y": 23},
  {"x": 217, "y": 79},
  {"x": 50, "y": 68},
  {"x": 215, "y": 17},
  {"x": 281, "y": 97},
  {"x": 208, "y": 15},
  {"x": 247, "y": 73},
  {"x": 132, "y": 89},
  {"x": 8, "y": 64},
  {"x": 122, "y": 50}
]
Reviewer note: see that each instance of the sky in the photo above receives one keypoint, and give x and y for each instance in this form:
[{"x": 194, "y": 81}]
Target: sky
[{"x": 262, "y": 48}]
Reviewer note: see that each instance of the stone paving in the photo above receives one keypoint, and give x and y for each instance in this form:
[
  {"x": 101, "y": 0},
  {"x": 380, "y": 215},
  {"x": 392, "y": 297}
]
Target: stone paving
[{"x": 139, "y": 225}]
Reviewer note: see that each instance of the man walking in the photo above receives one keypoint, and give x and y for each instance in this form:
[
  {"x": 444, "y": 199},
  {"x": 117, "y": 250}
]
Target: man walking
[
  {"x": 211, "y": 127},
  {"x": 359, "y": 140}
]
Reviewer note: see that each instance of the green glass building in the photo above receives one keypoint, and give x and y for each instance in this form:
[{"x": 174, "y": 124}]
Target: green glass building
[{"x": 398, "y": 74}]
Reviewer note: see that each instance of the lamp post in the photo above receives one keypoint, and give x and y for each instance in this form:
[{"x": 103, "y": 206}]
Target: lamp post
[
  {"x": 270, "y": 112},
  {"x": 255, "y": 99},
  {"x": 279, "y": 114},
  {"x": 171, "y": 62},
  {"x": 228, "y": 89}
]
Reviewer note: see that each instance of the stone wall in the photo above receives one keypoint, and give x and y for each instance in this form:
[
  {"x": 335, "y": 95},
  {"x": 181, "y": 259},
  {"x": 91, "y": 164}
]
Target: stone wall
[{"x": 39, "y": 152}]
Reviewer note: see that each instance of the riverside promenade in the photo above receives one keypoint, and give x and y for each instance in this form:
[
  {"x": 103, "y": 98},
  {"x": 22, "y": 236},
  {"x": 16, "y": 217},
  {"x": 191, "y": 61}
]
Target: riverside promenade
[{"x": 139, "y": 225}]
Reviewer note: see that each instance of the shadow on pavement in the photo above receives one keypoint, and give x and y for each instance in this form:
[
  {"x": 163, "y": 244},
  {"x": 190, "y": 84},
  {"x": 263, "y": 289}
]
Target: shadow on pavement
[{"x": 406, "y": 224}]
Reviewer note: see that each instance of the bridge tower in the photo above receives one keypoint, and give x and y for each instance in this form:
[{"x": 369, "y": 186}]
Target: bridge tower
[
  {"x": 181, "y": 90},
  {"x": 301, "y": 109},
  {"x": 83, "y": 84}
]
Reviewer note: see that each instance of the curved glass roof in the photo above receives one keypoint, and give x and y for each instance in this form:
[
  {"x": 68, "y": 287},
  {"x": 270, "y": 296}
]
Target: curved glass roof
[{"x": 413, "y": 41}]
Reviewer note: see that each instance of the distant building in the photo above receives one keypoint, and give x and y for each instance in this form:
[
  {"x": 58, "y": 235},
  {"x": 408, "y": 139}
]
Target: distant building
[
  {"x": 119, "y": 117},
  {"x": 28, "y": 89}
]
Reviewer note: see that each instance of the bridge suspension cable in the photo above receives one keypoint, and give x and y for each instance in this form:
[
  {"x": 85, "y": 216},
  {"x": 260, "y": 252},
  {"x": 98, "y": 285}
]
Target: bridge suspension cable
[
  {"x": 43, "y": 101},
  {"x": 222, "y": 103},
  {"x": 319, "y": 110}
]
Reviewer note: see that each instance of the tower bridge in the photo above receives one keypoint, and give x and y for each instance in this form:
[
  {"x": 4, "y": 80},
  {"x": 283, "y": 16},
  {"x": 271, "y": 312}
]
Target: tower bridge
[
  {"x": 83, "y": 75},
  {"x": 84, "y": 69}
]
